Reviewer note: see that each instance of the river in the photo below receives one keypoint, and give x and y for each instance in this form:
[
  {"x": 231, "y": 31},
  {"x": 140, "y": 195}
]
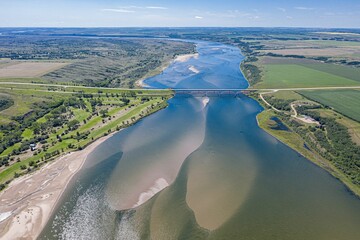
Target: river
[{"x": 203, "y": 169}]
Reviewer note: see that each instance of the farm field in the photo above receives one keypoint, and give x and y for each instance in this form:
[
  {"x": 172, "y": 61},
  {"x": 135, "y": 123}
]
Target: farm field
[
  {"x": 287, "y": 95},
  {"x": 346, "y": 102},
  {"x": 29, "y": 69},
  {"x": 335, "y": 69},
  {"x": 282, "y": 74},
  {"x": 312, "y": 48}
]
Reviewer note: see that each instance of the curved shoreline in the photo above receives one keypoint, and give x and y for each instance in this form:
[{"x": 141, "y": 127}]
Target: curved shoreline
[
  {"x": 29, "y": 212},
  {"x": 37, "y": 194}
]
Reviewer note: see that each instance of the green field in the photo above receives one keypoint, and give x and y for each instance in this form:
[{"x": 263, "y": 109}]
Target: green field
[
  {"x": 298, "y": 76},
  {"x": 346, "y": 102},
  {"x": 287, "y": 95},
  {"x": 338, "y": 70}
]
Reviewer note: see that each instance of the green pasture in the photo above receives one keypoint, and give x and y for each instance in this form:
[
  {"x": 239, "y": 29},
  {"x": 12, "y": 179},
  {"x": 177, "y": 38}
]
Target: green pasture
[
  {"x": 346, "y": 102},
  {"x": 297, "y": 76}
]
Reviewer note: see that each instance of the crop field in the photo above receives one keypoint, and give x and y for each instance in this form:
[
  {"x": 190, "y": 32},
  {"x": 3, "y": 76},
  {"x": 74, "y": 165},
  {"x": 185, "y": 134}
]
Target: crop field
[
  {"x": 341, "y": 49},
  {"x": 17, "y": 69},
  {"x": 287, "y": 95},
  {"x": 283, "y": 73},
  {"x": 338, "y": 70},
  {"x": 346, "y": 102}
]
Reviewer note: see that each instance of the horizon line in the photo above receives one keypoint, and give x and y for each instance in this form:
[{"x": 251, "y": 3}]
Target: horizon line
[{"x": 279, "y": 27}]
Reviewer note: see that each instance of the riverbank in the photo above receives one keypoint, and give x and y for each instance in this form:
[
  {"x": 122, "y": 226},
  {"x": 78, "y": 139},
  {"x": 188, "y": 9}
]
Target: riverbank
[
  {"x": 296, "y": 142},
  {"x": 29, "y": 201}
]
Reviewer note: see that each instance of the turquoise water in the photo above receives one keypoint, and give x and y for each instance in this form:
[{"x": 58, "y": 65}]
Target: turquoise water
[{"x": 227, "y": 178}]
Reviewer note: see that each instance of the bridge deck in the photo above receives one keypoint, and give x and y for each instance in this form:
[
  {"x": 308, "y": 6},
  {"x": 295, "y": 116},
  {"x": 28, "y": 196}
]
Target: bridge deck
[{"x": 209, "y": 92}]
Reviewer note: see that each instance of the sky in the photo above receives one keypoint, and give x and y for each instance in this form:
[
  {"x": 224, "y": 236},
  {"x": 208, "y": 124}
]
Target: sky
[{"x": 180, "y": 13}]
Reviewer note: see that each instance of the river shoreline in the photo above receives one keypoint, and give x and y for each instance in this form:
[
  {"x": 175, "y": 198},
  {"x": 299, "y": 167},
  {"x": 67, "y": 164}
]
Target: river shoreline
[
  {"x": 311, "y": 155},
  {"x": 30, "y": 200}
]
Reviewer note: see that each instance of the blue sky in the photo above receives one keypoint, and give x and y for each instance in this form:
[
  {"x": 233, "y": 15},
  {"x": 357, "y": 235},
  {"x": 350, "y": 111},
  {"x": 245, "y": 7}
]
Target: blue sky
[{"x": 181, "y": 13}]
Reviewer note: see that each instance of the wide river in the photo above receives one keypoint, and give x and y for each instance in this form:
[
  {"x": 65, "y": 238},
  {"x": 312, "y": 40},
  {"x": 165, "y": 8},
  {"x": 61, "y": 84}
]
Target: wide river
[{"x": 203, "y": 169}]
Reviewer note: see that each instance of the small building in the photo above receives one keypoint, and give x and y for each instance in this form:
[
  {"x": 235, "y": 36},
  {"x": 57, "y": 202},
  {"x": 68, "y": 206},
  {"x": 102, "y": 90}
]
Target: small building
[{"x": 33, "y": 146}]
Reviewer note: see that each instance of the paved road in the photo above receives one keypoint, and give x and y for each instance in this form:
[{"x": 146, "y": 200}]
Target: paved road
[
  {"x": 205, "y": 89},
  {"x": 266, "y": 102}
]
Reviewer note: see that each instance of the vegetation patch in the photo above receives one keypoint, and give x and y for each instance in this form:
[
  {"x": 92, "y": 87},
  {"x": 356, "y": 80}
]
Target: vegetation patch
[
  {"x": 5, "y": 102},
  {"x": 98, "y": 62},
  {"x": 59, "y": 122},
  {"x": 297, "y": 76},
  {"x": 333, "y": 143},
  {"x": 346, "y": 102}
]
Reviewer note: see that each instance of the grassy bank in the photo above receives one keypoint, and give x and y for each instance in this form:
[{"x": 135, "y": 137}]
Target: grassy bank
[
  {"x": 346, "y": 102},
  {"x": 297, "y": 142}
]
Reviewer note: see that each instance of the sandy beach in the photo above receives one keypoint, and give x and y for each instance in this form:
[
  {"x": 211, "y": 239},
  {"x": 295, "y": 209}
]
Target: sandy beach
[
  {"x": 27, "y": 203},
  {"x": 140, "y": 83},
  {"x": 186, "y": 57}
]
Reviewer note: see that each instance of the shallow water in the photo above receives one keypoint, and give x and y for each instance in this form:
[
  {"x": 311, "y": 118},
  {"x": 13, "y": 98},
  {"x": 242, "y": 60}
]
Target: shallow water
[{"x": 228, "y": 179}]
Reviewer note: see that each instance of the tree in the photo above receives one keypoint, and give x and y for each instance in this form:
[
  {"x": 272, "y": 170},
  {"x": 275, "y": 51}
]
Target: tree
[
  {"x": 73, "y": 124},
  {"x": 103, "y": 113}
]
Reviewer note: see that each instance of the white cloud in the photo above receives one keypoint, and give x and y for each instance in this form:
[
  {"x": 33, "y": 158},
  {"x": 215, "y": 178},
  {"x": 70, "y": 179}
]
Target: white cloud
[
  {"x": 304, "y": 8},
  {"x": 289, "y": 17},
  {"x": 156, "y": 7},
  {"x": 132, "y": 8},
  {"x": 118, "y": 10},
  {"x": 254, "y": 17},
  {"x": 198, "y": 17},
  {"x": 281, "y": 9}
]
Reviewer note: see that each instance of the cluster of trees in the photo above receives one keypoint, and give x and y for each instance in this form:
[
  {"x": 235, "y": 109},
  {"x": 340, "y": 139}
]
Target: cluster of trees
[
  {"x": 281, "y": 104},
  {"x": 55, "y": 116},
  {"x": 249, "y": 69},
  {"x": 332, "y": 141},
  {"x": 5, "y": 103},
  {"x": 12, "y": 132},
  {"x": 251, "y": 72},
  {"x": 283, "y": 56}
]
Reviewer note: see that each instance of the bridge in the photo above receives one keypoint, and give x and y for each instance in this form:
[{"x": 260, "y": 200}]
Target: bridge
[{"x": 209, "y": 92}]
